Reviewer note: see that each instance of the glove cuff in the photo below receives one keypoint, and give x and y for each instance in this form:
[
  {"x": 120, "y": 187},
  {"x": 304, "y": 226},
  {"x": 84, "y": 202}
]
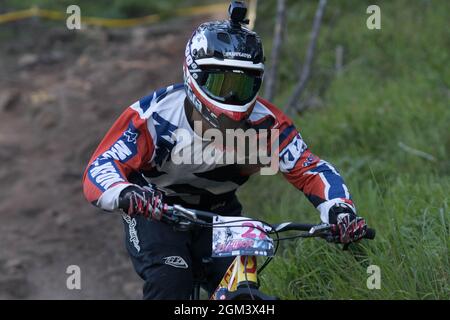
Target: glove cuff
[
  {"x": 338, "y": 209},
  {"x": 124, "y": 196},
  {"x": 325, "y": 207}
]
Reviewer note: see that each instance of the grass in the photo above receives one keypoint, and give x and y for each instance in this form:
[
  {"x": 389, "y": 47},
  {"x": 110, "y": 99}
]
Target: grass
[{"x": 394, "y": 89}]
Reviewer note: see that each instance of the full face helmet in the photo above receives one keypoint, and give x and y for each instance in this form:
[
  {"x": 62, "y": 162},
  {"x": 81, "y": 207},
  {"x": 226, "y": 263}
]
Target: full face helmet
[{"x": 223, "y": 69}]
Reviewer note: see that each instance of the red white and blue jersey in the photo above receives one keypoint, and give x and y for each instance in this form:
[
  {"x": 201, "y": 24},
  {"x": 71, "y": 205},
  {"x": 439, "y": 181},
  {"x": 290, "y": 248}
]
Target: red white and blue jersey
[{"x": 140, "y": 142}]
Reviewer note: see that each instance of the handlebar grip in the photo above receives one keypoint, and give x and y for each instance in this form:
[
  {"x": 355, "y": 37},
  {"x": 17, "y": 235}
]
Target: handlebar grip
[{"x": 370, "y": 234}]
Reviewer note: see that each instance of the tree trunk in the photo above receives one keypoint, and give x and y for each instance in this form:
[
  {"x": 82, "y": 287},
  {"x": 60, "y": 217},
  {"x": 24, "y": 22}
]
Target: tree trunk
[
  {"x": 306, "y": 70},
  {"x": 271, "y": 77}
]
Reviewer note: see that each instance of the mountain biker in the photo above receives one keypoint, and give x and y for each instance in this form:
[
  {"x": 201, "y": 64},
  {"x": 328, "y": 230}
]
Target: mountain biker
[{"x": 133, "y": 170}]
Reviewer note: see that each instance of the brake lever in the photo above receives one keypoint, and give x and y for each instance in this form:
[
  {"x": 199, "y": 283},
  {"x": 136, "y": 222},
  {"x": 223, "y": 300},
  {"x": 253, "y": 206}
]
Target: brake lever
[
  {"x": 185, "y": 213},
  {"x": 182, "y": 226},
  {"x": 179, "y": 217},
  {"x": 329, "y": 237},
  {"x": 335, "y": 238},
  {"x": 320, "y": 228}
]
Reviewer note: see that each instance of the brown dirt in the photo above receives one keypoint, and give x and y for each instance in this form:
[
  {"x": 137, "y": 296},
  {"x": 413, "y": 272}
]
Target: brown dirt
[{"x": 60, "y": 91}]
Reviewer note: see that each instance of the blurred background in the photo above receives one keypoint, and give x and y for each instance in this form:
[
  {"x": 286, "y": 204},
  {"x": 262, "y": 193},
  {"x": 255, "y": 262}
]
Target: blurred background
[{"x": 373, "y": 102}]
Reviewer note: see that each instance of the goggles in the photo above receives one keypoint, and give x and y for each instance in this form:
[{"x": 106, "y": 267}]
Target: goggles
[{"x": 230, "y": 86}]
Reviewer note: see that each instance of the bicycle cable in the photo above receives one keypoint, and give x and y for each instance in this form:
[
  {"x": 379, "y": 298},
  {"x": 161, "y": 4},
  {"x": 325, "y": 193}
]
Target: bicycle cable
[{"x": 269, "y": 259}]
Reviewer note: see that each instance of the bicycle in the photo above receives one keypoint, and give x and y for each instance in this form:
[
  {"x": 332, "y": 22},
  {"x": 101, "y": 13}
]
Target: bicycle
[{"x": 252, "y": 238}]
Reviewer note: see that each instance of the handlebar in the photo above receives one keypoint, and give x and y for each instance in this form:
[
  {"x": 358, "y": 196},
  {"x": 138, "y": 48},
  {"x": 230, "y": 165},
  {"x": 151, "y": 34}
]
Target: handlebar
[
  {"x": 312, "y": 228},
  {"x": 184, "y": 217}
]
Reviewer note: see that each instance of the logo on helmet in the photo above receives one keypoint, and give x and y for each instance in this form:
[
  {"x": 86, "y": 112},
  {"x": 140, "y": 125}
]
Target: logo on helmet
[{"x": 237, "y": 54}]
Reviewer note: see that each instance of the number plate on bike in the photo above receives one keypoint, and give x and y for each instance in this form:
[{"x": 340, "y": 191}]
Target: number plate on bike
[{"x": 238, "y": 236}]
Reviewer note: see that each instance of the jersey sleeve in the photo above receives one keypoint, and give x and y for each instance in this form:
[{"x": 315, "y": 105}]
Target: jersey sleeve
[
  {"x": 126, "y": 147},
  {"x": 319, "y": 180}
]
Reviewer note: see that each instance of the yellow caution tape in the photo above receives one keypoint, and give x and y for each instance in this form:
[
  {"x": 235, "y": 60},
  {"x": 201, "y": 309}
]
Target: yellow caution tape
[{"x": 105, "y": 22}]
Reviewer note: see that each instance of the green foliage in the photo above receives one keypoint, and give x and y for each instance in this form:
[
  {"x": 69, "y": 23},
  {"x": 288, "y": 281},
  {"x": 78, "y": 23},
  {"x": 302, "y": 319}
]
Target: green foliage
[
  {"x": 109, "y": 8},
  {"x": 394, "y": 89}
]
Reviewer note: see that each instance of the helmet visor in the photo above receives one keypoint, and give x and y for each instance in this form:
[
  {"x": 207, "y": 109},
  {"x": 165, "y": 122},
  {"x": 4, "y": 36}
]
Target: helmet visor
[{"x": 236, "y": 87}]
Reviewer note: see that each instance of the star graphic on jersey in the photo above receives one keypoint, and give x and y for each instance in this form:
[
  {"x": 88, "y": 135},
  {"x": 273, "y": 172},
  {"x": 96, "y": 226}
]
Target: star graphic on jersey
[{"x": 130, "y": 135}]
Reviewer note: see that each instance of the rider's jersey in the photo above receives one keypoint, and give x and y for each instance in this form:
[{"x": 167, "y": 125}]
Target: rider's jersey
[{"x": 139, "y": 148}]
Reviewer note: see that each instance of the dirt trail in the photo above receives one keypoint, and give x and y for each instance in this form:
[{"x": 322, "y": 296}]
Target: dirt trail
[{"x": 60, "y": 91}]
